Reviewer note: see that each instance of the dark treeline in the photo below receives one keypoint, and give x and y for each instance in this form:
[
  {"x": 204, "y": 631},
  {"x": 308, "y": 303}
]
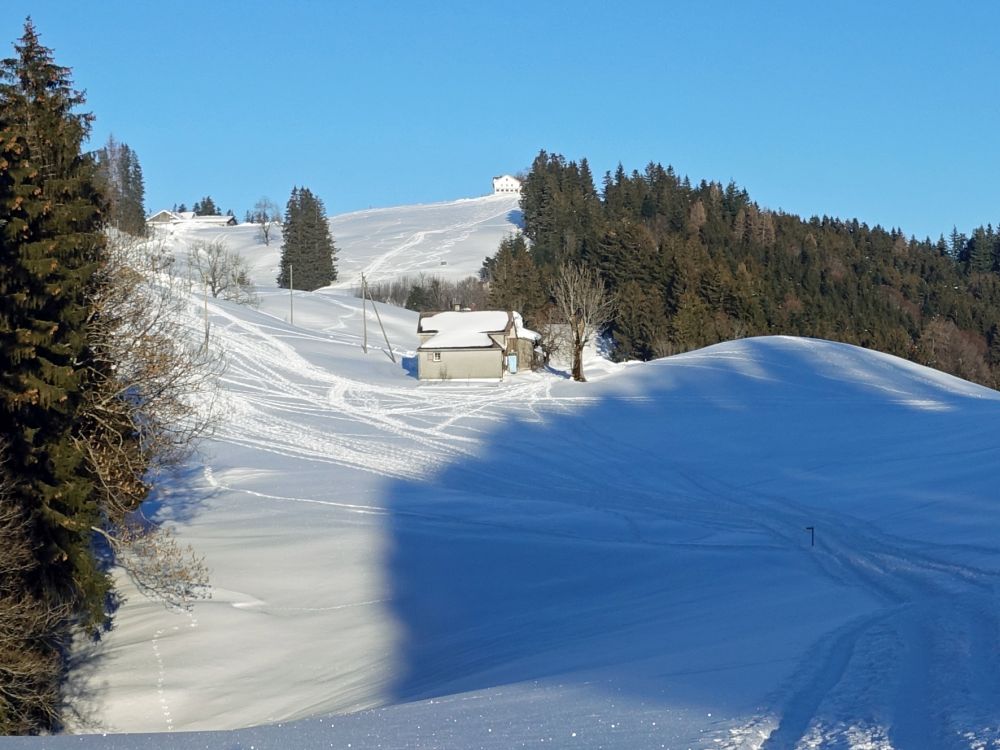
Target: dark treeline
[{"x": 693, "y": 265}]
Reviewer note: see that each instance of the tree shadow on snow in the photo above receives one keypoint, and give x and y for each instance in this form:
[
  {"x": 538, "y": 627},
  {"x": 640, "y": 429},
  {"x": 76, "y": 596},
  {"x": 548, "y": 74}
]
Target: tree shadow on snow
[
  {"x": 611, "y": 538},
  {"x": 177, "y": 494}
]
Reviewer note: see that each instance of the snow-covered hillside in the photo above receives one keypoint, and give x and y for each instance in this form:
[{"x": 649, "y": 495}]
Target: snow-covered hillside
[
  {"x": 623, "y": 563},
  {"x": 449, "y": 240}
]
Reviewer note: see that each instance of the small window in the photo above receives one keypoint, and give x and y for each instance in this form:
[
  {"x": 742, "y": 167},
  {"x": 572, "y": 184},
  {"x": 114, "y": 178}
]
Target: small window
[{"x": 436, "y": 356}]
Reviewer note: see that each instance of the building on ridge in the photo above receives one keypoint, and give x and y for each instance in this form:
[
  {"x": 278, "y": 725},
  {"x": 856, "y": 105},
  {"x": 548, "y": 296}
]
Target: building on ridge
[{"x": 506, "y": 184}]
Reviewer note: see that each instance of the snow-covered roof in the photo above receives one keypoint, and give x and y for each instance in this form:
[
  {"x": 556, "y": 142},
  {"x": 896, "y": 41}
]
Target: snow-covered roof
[
  {"x": 463, "y": 329},
  {"x": 470, "y": 329},
  {"x": 521, "y": 332},
  {"x": 163, "y": 216},
  {"x": 460, "y": 340},
  {"x": 494, "y": 321},
  {"x": 214, "y": 219}
]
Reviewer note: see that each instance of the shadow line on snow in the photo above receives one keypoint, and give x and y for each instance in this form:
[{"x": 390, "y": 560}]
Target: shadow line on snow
[{"x": 605, "y": 541}]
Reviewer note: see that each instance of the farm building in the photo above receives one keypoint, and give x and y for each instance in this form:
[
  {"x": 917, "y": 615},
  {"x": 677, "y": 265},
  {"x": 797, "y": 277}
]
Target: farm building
[
  {"x": 174, "y": 217},
  {"x": 164, "y": 217},
  {"x": 473, "y": 344}
]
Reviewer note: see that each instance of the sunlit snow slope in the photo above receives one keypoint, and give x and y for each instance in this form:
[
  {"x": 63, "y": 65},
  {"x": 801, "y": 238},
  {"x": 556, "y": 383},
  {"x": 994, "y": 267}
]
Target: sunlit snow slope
[
  {"x": 449, "y": 240},
  {"x": 623, "y": 563}
]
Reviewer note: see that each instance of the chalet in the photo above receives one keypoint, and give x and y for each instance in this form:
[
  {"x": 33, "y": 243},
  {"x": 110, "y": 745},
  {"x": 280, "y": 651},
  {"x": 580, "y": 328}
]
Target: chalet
[
  {"x": 214, "y": 221},
  {"x": 189, "y": 217},
  {"x": 473, "y": 344},
  {"x": 164, "y": 217},
  {"x": 506, "y": 184}
]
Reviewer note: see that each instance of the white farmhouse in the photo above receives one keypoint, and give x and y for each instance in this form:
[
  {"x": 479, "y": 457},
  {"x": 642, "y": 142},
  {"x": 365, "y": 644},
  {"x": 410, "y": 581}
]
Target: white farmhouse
[{"x": 505, "y": 183}]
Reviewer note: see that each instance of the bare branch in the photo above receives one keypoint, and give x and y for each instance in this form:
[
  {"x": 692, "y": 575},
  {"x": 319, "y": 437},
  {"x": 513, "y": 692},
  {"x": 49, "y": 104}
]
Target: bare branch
[
  {"x": 584, "y": 303},
  {"x": 32, "y": 629},
  {"x": 157, "y": 563},
  {"x": 152, "y": 396},
  {"x": 222, "y": 271},
  {"x": 267, "y": 214}
]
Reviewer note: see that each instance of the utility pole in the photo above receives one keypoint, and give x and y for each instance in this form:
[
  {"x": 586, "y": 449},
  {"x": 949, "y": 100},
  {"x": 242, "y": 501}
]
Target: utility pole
[
  {"x": 291, "y": 297},
  {"x": 364, "y": 313},
  {"x": 378, "y": 317}
]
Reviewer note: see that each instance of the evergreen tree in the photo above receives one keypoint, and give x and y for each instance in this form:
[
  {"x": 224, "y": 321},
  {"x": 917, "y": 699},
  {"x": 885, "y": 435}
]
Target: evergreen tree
[
  {"x": 206, "y": 207},
  {"x": 562, "y": 211},
  {"x": 957, "y": 243},
  {"x": 515, "y": 282},
  {"x": 979, "y": 251},
  {"x": 307, "y": 249},
  {"x": 119, "y": 169},
  {"x": 51, "y": 246},
  {"x": 640, "y": 327}
]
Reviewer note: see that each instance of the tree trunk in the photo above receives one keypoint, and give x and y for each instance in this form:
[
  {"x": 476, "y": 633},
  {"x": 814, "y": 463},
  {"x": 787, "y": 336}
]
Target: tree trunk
[{"x": 578, "y": 349}]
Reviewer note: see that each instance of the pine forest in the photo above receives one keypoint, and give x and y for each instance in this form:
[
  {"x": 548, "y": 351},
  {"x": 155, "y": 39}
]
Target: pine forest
[{"x": 692, "y": 265}]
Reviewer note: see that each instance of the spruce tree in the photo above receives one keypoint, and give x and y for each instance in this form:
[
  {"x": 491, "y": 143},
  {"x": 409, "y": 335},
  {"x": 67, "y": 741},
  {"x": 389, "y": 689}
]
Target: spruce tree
[
  {"x": 50, "y": 246},
  {"x": 515, "y": 282},
  {"x": 119, "y": 169},
  {"x": 206, "y": 207},
  {"x": 307, "y": 247}
]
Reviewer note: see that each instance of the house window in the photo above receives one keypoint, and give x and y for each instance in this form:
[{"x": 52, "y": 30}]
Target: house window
[{"x": 436, "y": 356}]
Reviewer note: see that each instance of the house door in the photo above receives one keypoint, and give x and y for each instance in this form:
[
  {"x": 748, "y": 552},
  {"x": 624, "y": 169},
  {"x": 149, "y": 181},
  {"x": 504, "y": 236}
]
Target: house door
[{"x": 512, "y": 363}]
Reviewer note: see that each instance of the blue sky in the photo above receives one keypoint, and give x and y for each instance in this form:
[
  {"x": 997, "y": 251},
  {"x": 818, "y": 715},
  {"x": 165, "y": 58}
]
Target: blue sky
[{"x": 887, "y": 112}]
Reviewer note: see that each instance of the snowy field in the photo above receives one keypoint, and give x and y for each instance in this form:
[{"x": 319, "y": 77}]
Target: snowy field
[{"x": 625, "y": 563}]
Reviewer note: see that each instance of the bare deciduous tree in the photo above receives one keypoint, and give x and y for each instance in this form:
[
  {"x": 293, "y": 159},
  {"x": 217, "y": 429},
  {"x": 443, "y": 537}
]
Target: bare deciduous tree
[
  {"x": 31, "y": 630},
  {"x": 157, "y": 563},
  {"x": 433, "y": 292},
  {"x": 152, "y": 397},
  {"x": 266, "y": 214},
  {"x": 584, "y": 303},
  {"x": 944, "y": 346},
  {"x": 222, "y": 271}
]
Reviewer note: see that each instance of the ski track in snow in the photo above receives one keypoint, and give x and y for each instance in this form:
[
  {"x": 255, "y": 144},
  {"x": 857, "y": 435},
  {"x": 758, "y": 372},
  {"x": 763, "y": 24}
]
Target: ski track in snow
[
  {"x": 934, "y": 605},
  {"x": 392, "y": 263},
  {"x": 914, "y": 674},
  {"x": 265, "y": 416},
  {"x": 921, "y": 670}
]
